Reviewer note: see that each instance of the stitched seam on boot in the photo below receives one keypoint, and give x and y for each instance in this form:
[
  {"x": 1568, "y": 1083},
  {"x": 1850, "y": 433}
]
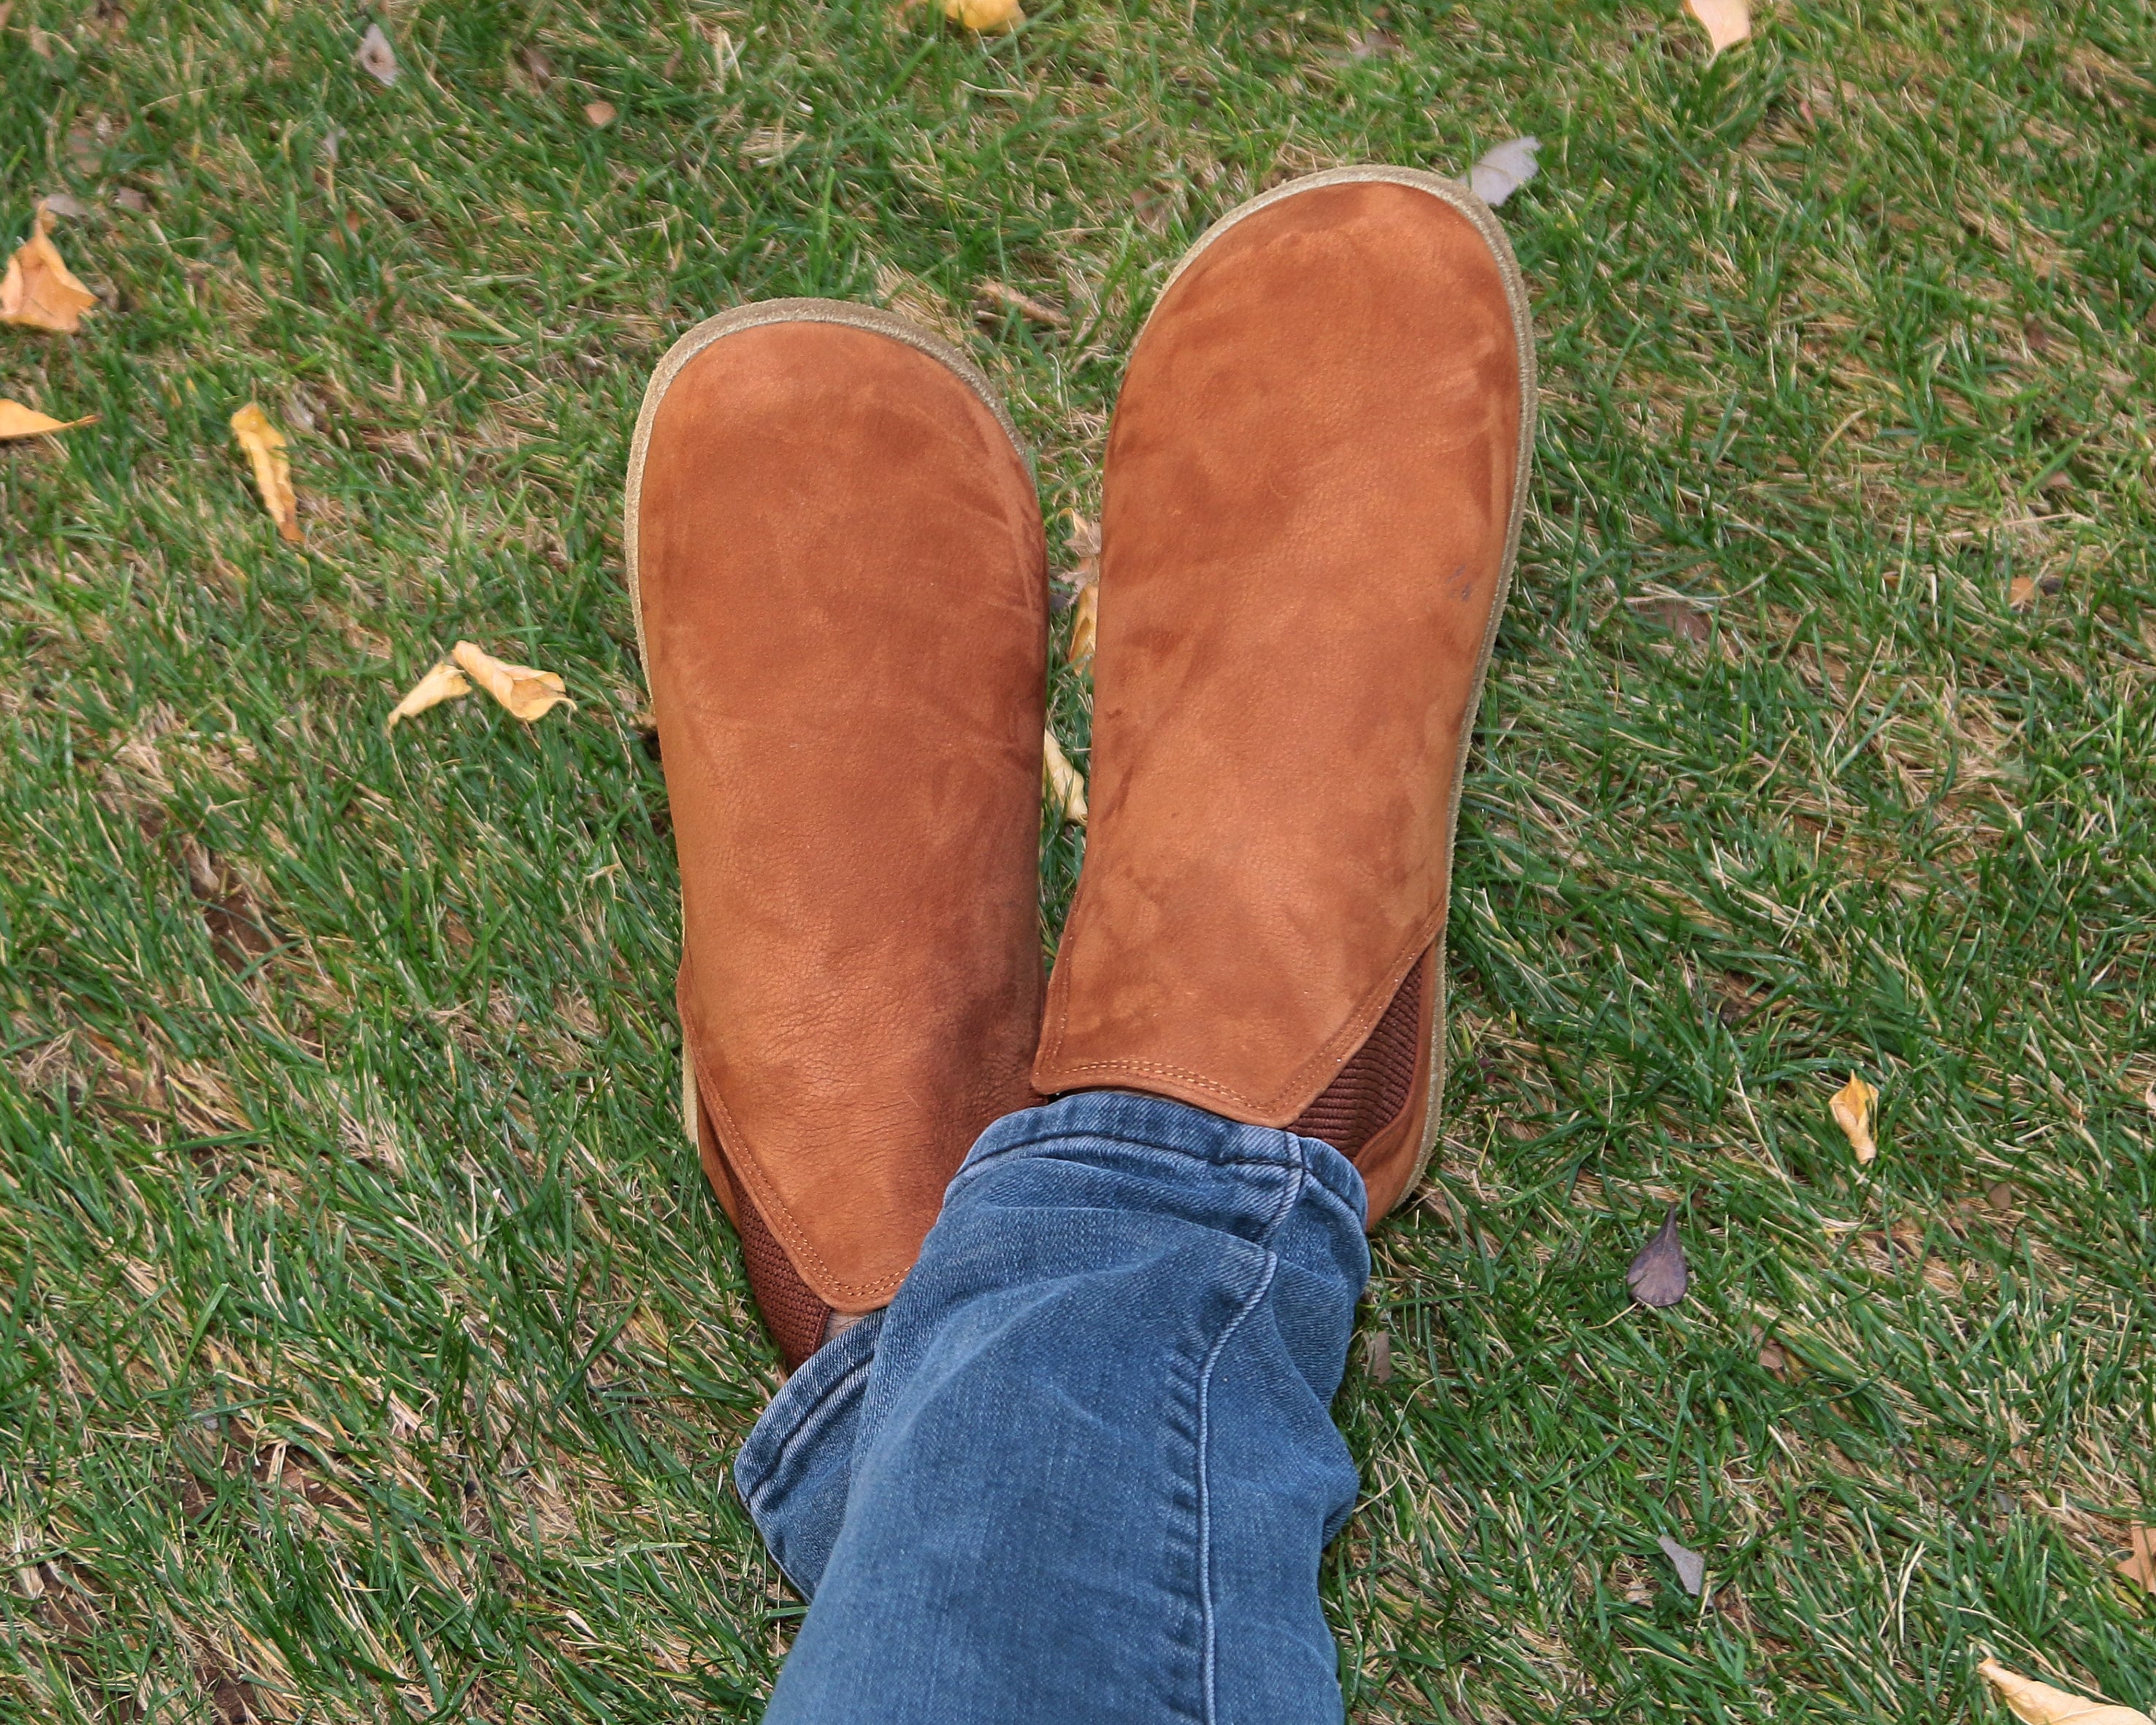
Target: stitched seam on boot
[
  {"x": 758, "y": 1189},
  {"x": 1333, "y": 1052}
]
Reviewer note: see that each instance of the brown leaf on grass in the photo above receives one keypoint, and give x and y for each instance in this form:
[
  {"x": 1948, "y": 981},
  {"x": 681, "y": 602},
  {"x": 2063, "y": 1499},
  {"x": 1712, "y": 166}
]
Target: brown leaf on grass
[
  {"x": 1085, "y": 547},
  {"x": 528, "y": 693},
  {"x": 1659, "y": 1275},
  {"x": 1852, "y": 1107},
  {"x": 1085, "y": 624},
  {"x": 2140, "y": 1565},
  {"x": 264, "y": 445},
  {"x": 376, "y": 57},
  {"x": 601, "y": 113},
  {"x": 1378, "y": 1354},
  {"x": 1727, "y": 22},
  {"x": 985, "y": 17},
  {"x": 444, "y": 683},
  {"x": 1686, "y": 621},
  {"x": 1775, "y": 1358},
  {"x": 1689, "y": 1565},
  {"x": 2040, "y": 1704},
  {"x": 1061, "y": 783},
  {"x": 2022, "y": 593},
  {"x": 239, "y": 934},
  {"x": 992, "y": 299},
  {"x": 39, "y": 289},
  {"x": 16, "y": 420},
  {"x": 64, "y": 203}
]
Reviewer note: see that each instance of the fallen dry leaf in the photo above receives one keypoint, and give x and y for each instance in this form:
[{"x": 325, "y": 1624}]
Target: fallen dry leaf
[
  {"x": 526, "y": 692},
  {"x": 1773, "y": 1357},
  {"x": 1852, "y": 1105},
  {"x": 2040, "y": 1704},
  {"x": 1063, "y": 784},
  {"x": 1085, "y": 547},
  {"x": 1659, "y": 1275},
  {"x": 2021, "y": 592},
  {"x": 981, "y": 16},
  {"x": 1503, "y": 170},
  {"x": 1727, "y": 22},
  {"x": 1687, "y": 622},
  {"x": 600, "y": 113},
  {"x": 64, "y": 203},
  {"x": 16, "y": 420},
  {"x": 1378, "y": 1354},
  {"x": 2141, "y": 1566},
  {"x": 444, "y": 683},
  {"x": 1689, "y": 1565},
  {"x": 376, "y": 57},
  {"x": 1085, "y": 624},
  {"x": 985, "y": 17},
  {"x": 39, "y": 289},
  {"x": 264, "y": 445},
  {"x": 992, "y": 299}
]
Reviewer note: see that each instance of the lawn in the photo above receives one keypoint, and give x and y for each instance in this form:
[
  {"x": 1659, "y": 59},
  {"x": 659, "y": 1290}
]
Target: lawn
[{"x": 369, "y": 1346}]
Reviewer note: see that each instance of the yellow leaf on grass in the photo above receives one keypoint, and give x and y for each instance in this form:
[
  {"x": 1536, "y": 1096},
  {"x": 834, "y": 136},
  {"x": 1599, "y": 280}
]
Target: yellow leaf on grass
[
  {"x": 39, "y": 290},
  {"x": 1852, "y": 1106},
  {"x": 526, "y": 692},
  {"x": 1727, "y": 22},
  {"x": 1085, "y": 624},
  {"x": 1064, "y": 785},
  {"x": 16, "y": 420},
  {"x": 2141, "y": 1567},
  {"x": 2040, "y": 1704},
  {"x": 444, "y": 683},
  {"x": 264, "y": 445},
  {"x": 985, "y": 16}
]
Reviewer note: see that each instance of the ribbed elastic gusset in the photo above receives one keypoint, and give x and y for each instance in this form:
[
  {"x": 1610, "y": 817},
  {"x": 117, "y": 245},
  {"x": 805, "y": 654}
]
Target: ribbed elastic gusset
[{"x": 1375, "y": 1084}]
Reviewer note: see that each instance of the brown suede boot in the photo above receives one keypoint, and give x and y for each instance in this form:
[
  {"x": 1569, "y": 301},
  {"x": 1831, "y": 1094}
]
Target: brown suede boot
[
  {"x": 1314, "y": 483},
  {"x": 836, "y": 559}
]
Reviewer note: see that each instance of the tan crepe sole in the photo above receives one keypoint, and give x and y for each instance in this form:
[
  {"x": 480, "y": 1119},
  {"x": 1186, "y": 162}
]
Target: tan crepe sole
[
  {"x": 1492, "y": 231},
  {"x": 755, "y": 317}
]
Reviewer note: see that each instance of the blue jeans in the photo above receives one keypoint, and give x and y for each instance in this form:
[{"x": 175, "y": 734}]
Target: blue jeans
[{"x": 1081, "y": 1469}]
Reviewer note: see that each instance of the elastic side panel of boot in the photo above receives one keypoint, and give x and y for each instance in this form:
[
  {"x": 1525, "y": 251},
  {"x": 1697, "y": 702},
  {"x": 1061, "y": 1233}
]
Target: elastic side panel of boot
[
  {"x": 790, "y": 1307},
  {"x": 1375, "y": 1084},
  {"x": 791, "y": 1311}
]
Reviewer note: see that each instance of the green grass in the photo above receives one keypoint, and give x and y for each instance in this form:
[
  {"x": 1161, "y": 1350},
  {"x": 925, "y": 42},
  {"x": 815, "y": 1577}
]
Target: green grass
[{"x": 369, "y": 1348}]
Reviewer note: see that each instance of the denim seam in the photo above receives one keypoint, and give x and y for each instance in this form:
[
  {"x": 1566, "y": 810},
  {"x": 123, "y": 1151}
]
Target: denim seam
[
  {"x": 1300, "y": 1175},
  {"x": 810, "y": 1422}
]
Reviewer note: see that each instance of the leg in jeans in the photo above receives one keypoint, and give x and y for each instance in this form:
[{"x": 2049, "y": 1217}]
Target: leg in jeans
[{"x": 1082, "y": 1468}]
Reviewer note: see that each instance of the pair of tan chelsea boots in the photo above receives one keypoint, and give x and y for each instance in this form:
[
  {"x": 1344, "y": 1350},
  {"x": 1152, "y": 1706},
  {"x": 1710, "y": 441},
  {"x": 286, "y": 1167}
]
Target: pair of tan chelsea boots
[{"x": 1311, "y": 507}]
